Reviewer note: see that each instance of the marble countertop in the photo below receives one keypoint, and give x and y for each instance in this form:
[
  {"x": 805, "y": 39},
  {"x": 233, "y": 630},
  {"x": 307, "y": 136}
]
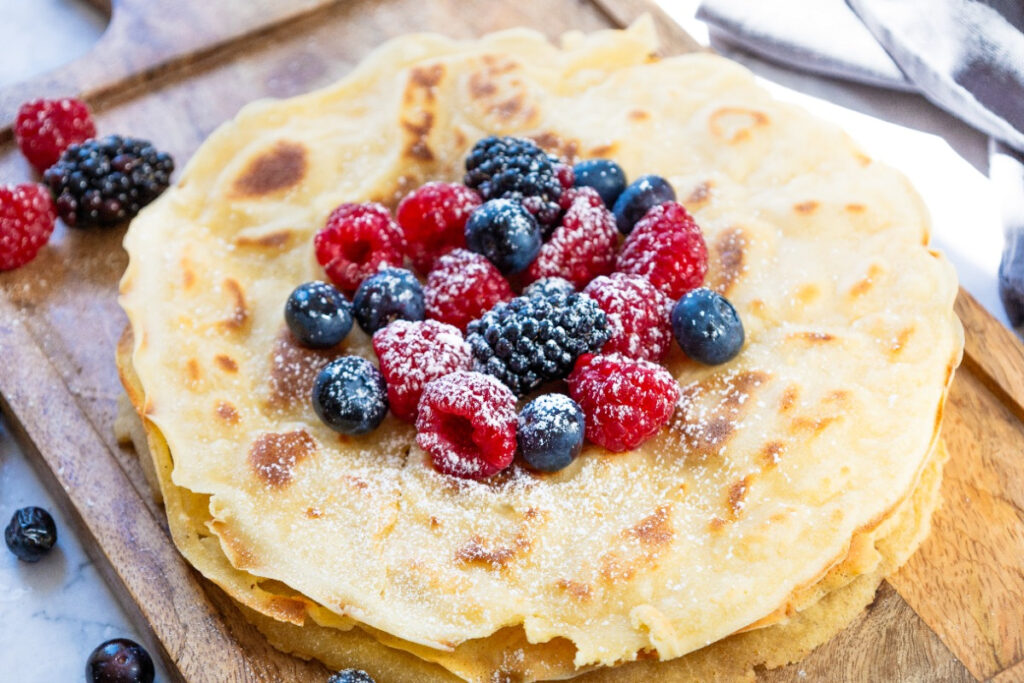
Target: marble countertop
[{"x": 52, "y": 614}]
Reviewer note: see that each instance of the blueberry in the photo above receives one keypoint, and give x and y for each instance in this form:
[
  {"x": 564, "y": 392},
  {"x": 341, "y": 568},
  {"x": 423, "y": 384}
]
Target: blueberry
[
  {"x": 637, "y": 199},
  {"x": 550, "y": 432},
  {"x": 707, "y": 327},
  {"x": 388, "y": 295},
  {"x": 604, "y": 175},
  {"x": 506, "y": 233},
  {"x": 318, "y": 315},
  {"x": 350, "y": 395},
  {"x": 31, "y": 534},
  {"x": 351, "y": 676},
  {"x": 119, "y": 661},
  {"x": 550, "y": 286}
]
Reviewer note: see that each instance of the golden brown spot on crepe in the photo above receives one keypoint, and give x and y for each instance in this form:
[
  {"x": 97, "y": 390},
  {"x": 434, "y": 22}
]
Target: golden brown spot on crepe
[
  {"x": 811, "y": 337},
  {"x": 434, "y": 522},
  {"x": 193, "y": 372},
  {"x": 475, "y": 552},
  {"x": 515, "y": 104},
  {"x": 226, "y": 363},
  {"x": 699, "y": 195},
  {"x": 728, "y": 248},
  {"x": 551, "y": 142},
  {"x": 460, "y": 138},
  {"x": 638, "y": 115},
  {"x": 789, "y": 397},
  {"x": 423, "y": 78},
  {"x": 736, "y": 495},
  {"x": 716, "y": 525},
  {"x": 279, "y": 168},
  {"x": 480, "y": 85},
  {"x": 188, "y": 276},
  {"x": 615, "y": 569},
  {"x": 863, "y": 159},
  {"x": 862, "y": 287},
  {"x": 855, "y": 208},
  {"x": 314, "y": 513},
  {"x": 274, "y": 455},
  {"x": 837, "y": 396},
  {"x": 417, "y": 147},
  {"x": 290, "y": 610},
  {"x": 239, "y": 552},
  {"x": 901, "y": 339},
  {"x": 771, "y": 453},
  {"x": 148, "y": 408},
  {"x": 239, "y": 312},
  {"x": 734, "y": 124},
  {"x": 807, "y": 207},
  {"x": 655, "y": 529},
  {"x": 577, "y": 590},
  {"x": 807, "y": 293},
  {"x": 293, "y": 368},
  {"x": 227, "y": 412},
  {"x": 815, "y": 425},
  {"x": 703, "y": 430},
  {"x": 603, "y": 150},
  {"x": 273, "y": 240}
]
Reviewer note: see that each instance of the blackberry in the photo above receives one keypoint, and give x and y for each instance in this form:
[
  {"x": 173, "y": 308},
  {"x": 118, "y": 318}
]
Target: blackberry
[
  {"x": 534, "y": 339},
  {"x": 104, "y": 181},
  {"x": 514, "y": 168}
]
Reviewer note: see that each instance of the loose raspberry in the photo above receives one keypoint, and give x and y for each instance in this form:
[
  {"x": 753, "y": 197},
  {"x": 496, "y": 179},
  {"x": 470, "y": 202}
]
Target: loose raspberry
[
  {"x": 433, "y": 219},
  {"x": 27, "y": 217},
  {"x": 626, "y": 401},
  {"x": 358, "y": 240},
  {"x": 638, "y": 316},
  {"x": 45, "y": 128},
  {"x": 667, "y": 248},
  {"x": 467, "y": 423},
  {"x": 583, "y": 246},
  {"x": 412, "y": 354},
  {"x": 462, "y": 287}
]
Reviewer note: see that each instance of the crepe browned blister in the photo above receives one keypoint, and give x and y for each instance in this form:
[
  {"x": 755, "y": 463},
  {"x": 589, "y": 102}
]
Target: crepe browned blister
[{"x": 773, "y": 467}]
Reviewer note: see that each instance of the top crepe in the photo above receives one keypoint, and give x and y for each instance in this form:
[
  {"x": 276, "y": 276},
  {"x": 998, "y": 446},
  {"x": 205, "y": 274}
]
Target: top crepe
[{"x": 818, "y": 429}]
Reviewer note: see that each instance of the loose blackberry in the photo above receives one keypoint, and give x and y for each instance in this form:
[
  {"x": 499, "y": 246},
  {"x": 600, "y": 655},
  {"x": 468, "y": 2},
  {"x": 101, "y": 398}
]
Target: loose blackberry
[
  {"x": 514, "y": 168},
  {"x": 535, "y": 339},
  {"x": 104, "y": 181}
]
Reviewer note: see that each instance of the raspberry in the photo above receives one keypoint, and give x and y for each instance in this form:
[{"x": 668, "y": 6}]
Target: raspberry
[
  {"x": 514, "y": 168},
  {"x": 638, "y": 316},
  {"x": 27, "y": 217},
  {"x": 583, "y": 246},
  {"x": 358, "y": 240},
  {"x": 412, "y": 354},
  {"x": 667, "y": 248},
  {"x": 105, "y": 181},
  {"x": 433, "y": 219},
  {"x": 45, "y": 128},
  {"x": 626, "y": 401},
  {"x": 462, "y": 287},
  {"x": 566, "y": 175},
  {"x": 467, "y": 424}
]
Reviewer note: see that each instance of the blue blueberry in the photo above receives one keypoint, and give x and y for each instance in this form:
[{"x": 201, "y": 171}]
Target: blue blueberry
[
  {"x": 550, "y": 286},
  {"x": 604, "y": 175},
  {"x": 707, "y": 327},
  {"x": 350, "y": 395},
  {"x": 506, "y": 233},
  {"x": 119, "y": 661},
  {"x": 637, "y": 199},
  {"x": 351, "y": 676},
  {"x": 318, "y": 315},
  {"x": 388, "y": 295},
  {"x": 550, "y": 432},
  {"x": 31, "y": 534}
]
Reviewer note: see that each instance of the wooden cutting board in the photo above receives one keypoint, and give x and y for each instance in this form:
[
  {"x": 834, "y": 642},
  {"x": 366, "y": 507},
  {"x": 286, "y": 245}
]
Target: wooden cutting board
[{"x": 954, "y": 613}]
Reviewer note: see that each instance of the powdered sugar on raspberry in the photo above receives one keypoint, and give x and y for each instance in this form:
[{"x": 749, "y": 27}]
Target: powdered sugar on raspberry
[
  {"x": 666, "y": 247},
  {"x": 638, "y": 315},
  {"x": 583, "y": 246},
  {"x": 463, "y": 286}
]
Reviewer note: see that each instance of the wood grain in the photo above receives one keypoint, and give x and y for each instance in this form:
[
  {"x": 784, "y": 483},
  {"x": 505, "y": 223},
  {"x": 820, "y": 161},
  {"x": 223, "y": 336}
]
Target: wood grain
[{"x": 959, "y": 598}]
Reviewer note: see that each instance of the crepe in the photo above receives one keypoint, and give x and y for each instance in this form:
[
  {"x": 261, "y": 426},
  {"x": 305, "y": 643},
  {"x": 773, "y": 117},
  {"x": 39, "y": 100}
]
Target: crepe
[{"x": 771, "y": 470}]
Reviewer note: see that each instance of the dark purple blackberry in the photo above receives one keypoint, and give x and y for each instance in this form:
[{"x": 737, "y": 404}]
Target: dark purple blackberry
[
  {"x": 514, "y": 168},
  {"x": 104, "y": 181},
  {"x": 535, "y": 339}
]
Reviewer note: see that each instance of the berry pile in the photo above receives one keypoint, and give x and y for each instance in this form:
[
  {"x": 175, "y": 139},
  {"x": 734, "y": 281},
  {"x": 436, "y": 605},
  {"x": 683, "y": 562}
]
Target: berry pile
[
  {"x": 457, "y": 352},
  {"x": 89, "y": 181}
]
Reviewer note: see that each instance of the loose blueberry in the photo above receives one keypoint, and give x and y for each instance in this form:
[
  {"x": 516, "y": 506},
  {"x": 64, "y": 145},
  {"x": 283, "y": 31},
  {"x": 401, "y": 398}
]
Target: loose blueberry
[
  {"x": 707, "y": 327},
  {"x": 604, "y": 175},
  {"x": 351, "y": 676},
  {"x": 318, "y": 315},
  {"x": 506, "y": 233},
  {"x": 550, "y": 286},
  {"x": 31, "y": 534},
  {"x": 388, "y": 295},
  {"x": 119, "y": 661},
  {"x": 350, "y": 395},
  {"x": 637, "y": 199},
  {"x": 550, "y": 432}
]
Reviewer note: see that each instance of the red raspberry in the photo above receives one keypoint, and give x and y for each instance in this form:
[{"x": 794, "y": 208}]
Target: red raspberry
[
  {"x": 566, "y": 176},
  {"x": 358, "y": 240},
  {"x": 414, "y": 353},
  {"x": 433, "y": 219},
  {"x": 667, "y": 248},
  {"x": 27, "y": 217},
  {"x": 625, "y": 401},
  {"x": 462, "y": 287},
  {"x": 583, "y": 246},
  {"x": 467, "y": 423},
  {"x": 638, "y": 316},
  {"x": 45, "y": 128}
]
